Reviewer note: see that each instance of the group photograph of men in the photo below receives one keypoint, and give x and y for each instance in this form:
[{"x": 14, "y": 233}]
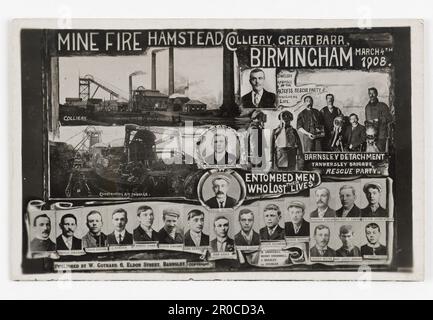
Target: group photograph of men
[
  {"x": 309, "y": 128},
  {"x": 348, "y": 212}
]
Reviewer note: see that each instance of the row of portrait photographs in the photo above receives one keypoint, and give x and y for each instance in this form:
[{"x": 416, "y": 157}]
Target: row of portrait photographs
[
  {"x": 358, "y": 199},
  {"x": 348, "y": 240},
  {"x": 176, "y": 225},
  {"x": 340, "y": 123}
]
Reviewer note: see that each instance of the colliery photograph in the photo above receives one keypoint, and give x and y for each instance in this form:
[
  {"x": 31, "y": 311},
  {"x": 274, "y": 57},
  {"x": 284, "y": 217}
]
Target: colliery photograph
[
  {"x": 129, "y": 161},
  {"x": 162, "y": 87}
]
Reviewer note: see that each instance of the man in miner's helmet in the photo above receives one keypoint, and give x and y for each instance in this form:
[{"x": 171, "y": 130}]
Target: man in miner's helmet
[{"x": 286, "y": 149}]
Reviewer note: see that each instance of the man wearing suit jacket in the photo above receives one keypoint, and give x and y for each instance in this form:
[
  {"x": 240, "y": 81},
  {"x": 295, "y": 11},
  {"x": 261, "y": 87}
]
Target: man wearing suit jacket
[
  {"x": 195, "y": 237},
  {"x": 348, "y": 249},
  {"x": 322, "y": 199},
  {"x": 220, "y": 155},
  {"x": 42, "y": 242},
  {"x": 373, "y": 209},
  {"x": 220, "y": 186},
  {"x": 95, "y": 237},
  {"x": 169, "y": 233},
  {"x": 258, "y": 97},
  {"x": 222, "y": 242},
  {"x": 119, "y": 237},
  {"x": 144, "y": 232},
  {"x": 348, "y": 208},
  {"x": 354, "y": 135},
  {"x": 321, "y": 236},
  {"x": 297, "y": 227},
  {"x": 272, "y": 230},
  {"x": 247, "y": 236},
  {"x": 67, "y": 240}
]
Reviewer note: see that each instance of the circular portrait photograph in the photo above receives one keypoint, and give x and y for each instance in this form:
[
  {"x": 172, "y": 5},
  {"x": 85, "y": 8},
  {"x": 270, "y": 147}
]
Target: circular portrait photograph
[
  {"x": 221, "y": 189},
  {"x": 219, "y": 146}
]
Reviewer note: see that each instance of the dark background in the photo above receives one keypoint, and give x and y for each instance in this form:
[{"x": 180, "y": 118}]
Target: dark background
[{"x": 33, "y": 49}]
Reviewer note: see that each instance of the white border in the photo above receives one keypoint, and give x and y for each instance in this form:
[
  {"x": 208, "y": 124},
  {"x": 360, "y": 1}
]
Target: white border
[{"x": 417, "y": 140}]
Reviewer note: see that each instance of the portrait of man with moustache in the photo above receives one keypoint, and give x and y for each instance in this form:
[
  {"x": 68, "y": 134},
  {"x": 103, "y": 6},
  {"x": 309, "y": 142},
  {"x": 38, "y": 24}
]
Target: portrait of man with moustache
[
  {"x": 67, "y": 240},
  {"x": 258, "y": 97},
  {"x": 220, "y": 186},
  {"x": 322, "y": 196},
  {"x": 322, "y": 235},
  {"x": 42, "y": 229}
]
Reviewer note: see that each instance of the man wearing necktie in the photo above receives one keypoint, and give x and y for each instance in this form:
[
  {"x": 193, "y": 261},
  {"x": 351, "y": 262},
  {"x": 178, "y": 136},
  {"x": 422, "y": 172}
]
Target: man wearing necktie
[
  {"x": 169, "y": 233},
  {"x": 195, "y": 237},
  {"x": 258, "y": 97},
  {"x": 120, "y": 236},
  {"x": 67, "y": 240},
  {"x": 220, "y": 186},
  {"x": 222, "y": 242},
  {"x": 272, "y": 230},
  {"x": 322, "y": 235}
]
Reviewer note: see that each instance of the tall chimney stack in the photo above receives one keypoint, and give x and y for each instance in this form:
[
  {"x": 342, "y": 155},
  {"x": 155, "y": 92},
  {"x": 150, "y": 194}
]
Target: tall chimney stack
[
  {"x": 130, "y": 92},
  {"x": 153, "y": 72},
  {"x": 170, "y": 71}
]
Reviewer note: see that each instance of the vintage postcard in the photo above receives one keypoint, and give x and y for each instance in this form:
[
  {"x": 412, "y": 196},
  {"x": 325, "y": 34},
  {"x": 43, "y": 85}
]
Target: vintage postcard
[{"x": 217, "y": 149}]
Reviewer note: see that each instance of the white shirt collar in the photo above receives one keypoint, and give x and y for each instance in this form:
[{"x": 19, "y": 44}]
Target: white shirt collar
[
  {"x": 67, "y": 241},
  {"x": 122, "y": 233},
  {"x": 321, "y": 213}
]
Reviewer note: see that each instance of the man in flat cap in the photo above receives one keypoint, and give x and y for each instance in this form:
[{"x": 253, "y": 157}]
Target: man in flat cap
[
  {"x": 373, "y": 192},
  {"x": 348, "y": 249},
  {"x": 297, "y": 227},
  {"x": 169, "y": 233},
  {"x": 195, "y": 237},
  {"x": 220, "y": 186}
]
